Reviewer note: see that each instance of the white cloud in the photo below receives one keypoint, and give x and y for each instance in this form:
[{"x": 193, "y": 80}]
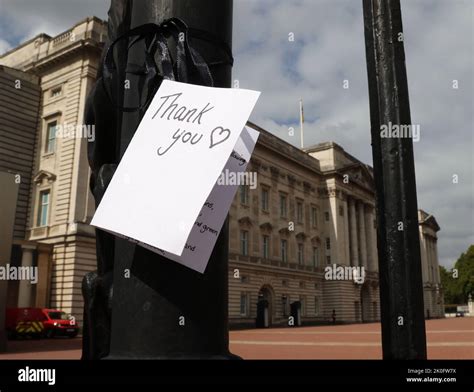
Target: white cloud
[
  {"x": 439, "y": 46},
  {"x": 23, "y": 19},
  {"x": 328, "y": 48},
  {"x": 4, "y": 46}
]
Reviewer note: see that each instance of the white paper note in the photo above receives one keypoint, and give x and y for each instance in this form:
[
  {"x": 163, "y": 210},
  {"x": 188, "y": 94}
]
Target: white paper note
[
  {"x": 208, "y": 225},
  {"x": 172, "y": 164}
]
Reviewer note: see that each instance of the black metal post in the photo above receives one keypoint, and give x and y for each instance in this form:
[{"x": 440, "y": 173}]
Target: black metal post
[
  {"x": 163, "y": 309},
  {"x": 401, "y": 291}
]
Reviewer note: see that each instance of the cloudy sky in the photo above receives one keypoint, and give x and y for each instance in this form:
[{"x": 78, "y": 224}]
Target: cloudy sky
[{"x": 328, "y": 48}]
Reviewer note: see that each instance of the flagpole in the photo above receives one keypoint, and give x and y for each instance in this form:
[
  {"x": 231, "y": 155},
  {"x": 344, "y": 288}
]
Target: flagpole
[{"x": 301, "y": 122}]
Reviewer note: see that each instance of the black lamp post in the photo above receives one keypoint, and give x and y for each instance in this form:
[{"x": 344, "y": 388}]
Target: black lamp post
[
  {"x": 159, "y": 309},
  {"x": 401, "y": 291}
]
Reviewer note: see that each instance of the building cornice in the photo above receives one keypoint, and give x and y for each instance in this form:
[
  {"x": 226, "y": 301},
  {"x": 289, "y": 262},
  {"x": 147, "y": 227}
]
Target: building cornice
[
  {"x": 285, "y": 149},
  {"x": 65, "y": 53}
]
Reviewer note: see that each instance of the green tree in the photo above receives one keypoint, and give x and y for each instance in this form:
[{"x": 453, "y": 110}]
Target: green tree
[
  {"x": 459, "y": 281},
  {"x": 465, "y": 266},
  {"x": 447, "y": 282}
]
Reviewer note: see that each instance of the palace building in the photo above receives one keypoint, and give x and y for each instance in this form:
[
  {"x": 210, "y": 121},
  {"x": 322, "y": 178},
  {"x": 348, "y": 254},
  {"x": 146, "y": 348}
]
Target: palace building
[
  {"x": 312, "y": 209},
  {"x": 55, "y": 205},
  {"x": 432, "y": 290}
]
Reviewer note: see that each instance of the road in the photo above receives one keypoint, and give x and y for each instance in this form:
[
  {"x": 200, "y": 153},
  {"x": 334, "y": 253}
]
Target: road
[{"x": 447, "y": 339}]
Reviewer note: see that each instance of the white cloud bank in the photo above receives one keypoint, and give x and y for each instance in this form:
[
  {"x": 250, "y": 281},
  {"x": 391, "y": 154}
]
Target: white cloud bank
[{"x": 329, "y": 48}]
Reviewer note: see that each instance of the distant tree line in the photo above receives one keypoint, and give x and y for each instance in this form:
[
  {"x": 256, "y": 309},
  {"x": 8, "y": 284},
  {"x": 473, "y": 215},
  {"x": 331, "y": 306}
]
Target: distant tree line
[{"x": 458, "y": 282}]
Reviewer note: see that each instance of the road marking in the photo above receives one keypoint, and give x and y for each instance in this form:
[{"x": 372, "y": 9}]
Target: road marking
[
  {"x": 300, "y": 332},
  {"x": 342, "y": 344},
  {"x": 270, "y": 343},
  {"x": 453, "y": 331}
]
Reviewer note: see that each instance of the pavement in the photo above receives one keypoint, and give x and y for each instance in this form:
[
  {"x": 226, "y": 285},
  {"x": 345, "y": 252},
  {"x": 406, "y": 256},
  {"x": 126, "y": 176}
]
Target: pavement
[
  {"x": 446, "y": 339},
  {"x": 450, "y": 338}
]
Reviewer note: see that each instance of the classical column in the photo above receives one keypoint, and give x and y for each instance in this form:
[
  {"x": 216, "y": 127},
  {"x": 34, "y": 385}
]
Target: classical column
[
  {"x": 44, "y": 270},
  {"x": 368, "y": 237},
  {"x": 435, "y": 250},
  {"x": 354, "y": 244},
  {"x": 430, "y": 259},
  {"x": 433, "y": 260},
  {"x": 373, "y": 222},
  {"x": 25, "y": 289},
  {"x": 363, "y": 242},
  {"x": 424, "y": 261},
  {"x": 371, "y": 239},
  {"x": 347, "y": 254}
]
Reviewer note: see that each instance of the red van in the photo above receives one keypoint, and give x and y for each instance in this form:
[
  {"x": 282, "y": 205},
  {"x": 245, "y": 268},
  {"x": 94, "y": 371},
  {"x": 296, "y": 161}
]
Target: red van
[{"x": 39, "y": 322}]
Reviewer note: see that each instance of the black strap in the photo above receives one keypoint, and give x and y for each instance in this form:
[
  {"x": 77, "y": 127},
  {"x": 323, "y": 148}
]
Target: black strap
[{"x": 188, "y": 65}]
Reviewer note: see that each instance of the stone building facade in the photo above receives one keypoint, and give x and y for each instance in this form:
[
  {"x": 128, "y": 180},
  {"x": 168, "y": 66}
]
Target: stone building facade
[
  {"x": 60, "y": 204},
  {"x": 20, "y": 102},
  {"x": 311, "y": 210},
  {"x": 432, "y": 289}
]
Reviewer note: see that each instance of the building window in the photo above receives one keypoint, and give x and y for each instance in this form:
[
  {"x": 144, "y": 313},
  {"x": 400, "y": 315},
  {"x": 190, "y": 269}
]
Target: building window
[
  {"x": 244, "y": 242},
  {"x": 328, "y": 243},
  {"x": 244, "y": 279},
  {"x": 314, "y": 217},
  {"x": 43, "y": 209},
  {"x": 341, "y": 210},
  {"x": 244, "y": 302},
  {"x": 266, "y": 246},
  {"x": 265, "y": 199},
  {"x": 300, "y": 254},
  {"x": 357, "y": 310},
  {"x": 284, "y": 250},
  {"x": 244, "y": 194},
  {"x": 374, "y": 310},
  {"x": 285, "y": 304},
  {"x": 56, "y": 92},
  {"x": 283, "y": 206},
  {"x": 302, "y": 285},
  {"x": 326, "y": 216},
  {"x": 299, "y": 211},
  {"x": 284, "y": 283},
  {"x": 303, "y": 305},
  {"x": 51, "y": 137},
  {"x": 328, "y": 260},
  {"x": 316, "y": 306},
  {"x": 315, "y": 257}
]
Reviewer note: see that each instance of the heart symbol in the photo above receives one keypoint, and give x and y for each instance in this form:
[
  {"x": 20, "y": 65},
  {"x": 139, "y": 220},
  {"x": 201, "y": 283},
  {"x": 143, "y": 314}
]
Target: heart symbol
[{"x": 221, "y": 136}]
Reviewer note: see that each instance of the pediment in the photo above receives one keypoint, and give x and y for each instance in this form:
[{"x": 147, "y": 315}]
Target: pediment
[
  {"x": 301, "y": 236},
  {"x": 245, "y": 221},
  {"x": 430, "y": 221},
  {"x": 44, "y": 175},
  {"x": 266, "y": 226},
  {"x": 359, "y": 173}
]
